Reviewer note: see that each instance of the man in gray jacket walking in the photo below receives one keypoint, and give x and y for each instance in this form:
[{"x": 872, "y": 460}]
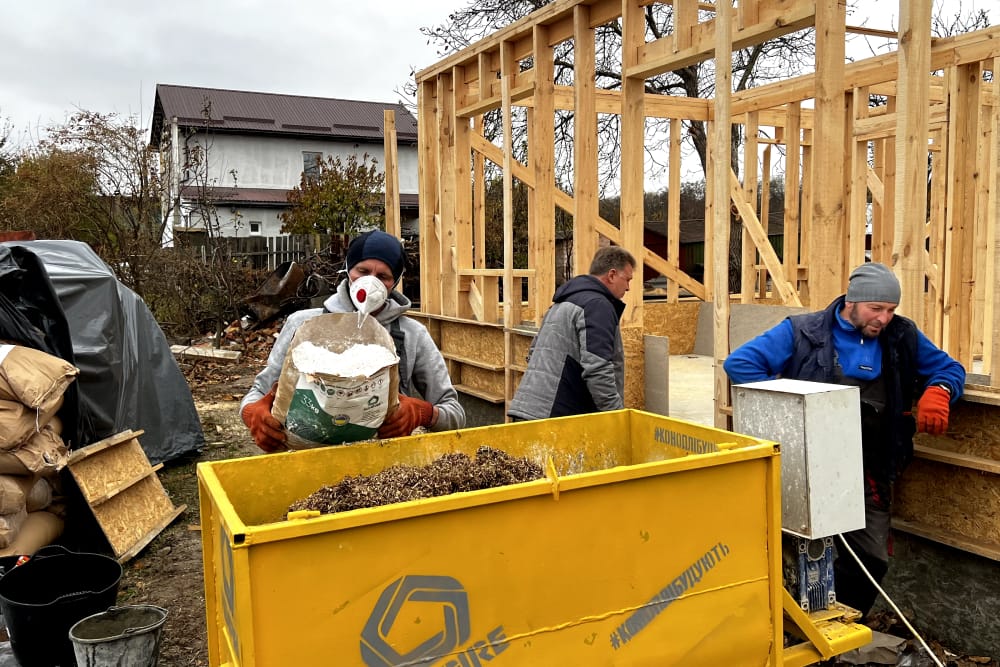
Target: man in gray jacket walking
[{"x": 576, "y": 364}]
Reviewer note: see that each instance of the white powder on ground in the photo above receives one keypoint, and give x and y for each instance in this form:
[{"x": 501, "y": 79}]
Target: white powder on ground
[{"x": 360, "y": 360}]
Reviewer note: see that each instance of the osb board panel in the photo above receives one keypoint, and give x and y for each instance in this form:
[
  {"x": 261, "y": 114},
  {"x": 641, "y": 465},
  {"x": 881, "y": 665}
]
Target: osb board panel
[
  {"x": 484, "y": 380},
  {"x": 433, "y": 326},
  {"x": 957, "y": 500},
  {"x": 635, "y": 367},
  {"x": 472, "y": 341},
  {"x": 104, "y": 471},
  {"x": 676, "y": 321},
  {"x": 973, "y": 428},
  {"x": 520, "y": 346},
  {"x": 128, "y": 516}
]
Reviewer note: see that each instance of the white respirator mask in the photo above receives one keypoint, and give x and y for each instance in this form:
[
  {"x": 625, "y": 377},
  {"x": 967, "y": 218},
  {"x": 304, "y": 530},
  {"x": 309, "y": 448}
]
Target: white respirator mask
[{"x": 368, "y": 294}]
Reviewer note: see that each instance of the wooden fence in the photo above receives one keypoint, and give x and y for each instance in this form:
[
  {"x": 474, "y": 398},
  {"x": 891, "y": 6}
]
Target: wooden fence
[{"x": 267, "y": 252}]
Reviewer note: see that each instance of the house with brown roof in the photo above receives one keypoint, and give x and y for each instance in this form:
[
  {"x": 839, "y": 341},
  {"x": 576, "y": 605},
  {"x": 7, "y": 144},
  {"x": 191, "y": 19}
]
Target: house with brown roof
[{"x": 229, "y": 158}]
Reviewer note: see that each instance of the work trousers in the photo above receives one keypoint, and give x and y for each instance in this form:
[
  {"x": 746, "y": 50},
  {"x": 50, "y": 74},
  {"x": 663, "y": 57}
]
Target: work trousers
[{"x": 871, "y": 544}]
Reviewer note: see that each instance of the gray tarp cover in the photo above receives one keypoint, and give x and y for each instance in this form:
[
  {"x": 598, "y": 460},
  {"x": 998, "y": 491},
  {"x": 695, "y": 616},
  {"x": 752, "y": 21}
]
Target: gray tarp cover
[{"x": 128, "y": 379}]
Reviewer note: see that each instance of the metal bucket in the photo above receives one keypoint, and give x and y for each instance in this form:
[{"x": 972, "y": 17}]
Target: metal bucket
[{"x": 127, "y": 635}]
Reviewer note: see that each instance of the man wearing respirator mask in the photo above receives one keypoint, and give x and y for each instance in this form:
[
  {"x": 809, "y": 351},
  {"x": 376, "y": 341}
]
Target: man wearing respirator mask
[{"x": 374, "y": 263}]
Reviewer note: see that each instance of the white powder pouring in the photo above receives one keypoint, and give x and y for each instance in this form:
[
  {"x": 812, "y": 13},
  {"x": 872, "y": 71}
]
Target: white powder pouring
[{"x": 360, "y": 360}]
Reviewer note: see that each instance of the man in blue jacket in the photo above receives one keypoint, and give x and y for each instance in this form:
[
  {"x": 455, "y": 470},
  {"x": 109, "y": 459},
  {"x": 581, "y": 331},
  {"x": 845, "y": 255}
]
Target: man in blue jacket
[
  {"x": 858, "y": 340},
  {"x": 576, "y": 364}
]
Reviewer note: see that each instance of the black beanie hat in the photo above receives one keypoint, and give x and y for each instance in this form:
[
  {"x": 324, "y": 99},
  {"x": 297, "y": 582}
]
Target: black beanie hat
[{"x": 376, "y": 244}]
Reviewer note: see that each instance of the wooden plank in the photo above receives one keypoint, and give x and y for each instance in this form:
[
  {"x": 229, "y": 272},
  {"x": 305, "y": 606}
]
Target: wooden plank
[
  {"x": 507, "y": 68},
  {"x": 585, "y": 189},
  {"x": 101, "y": 475},
  {"x": 101, "y": 445},
  {"x": 541, "y": 223},
  {"x": 390, "y": 152},
  {"x": 982, "y": 275},
  {"x": 427, "y": 168},
  {"x": 685, "y": 19},
  {"x": 784, "y": 287},
  {"x": 447, "y": 192},
  {"x": 956, "y": 459},
  {"x": 722, "y": 171},
  {"x": 122, "y": 490},
  {"x": 765, "y": 212},
  {"x": 120, "y": 485},
  {"x": 858, "y": 180},
  {"x": 981, "y": 394},
  {"x": 979, "y": 547},
  {"x": 473, "y": 362},
  {"x": 490, "y": 382},
  {"x": 748, "y": 258},
  {"x": 470, "y": 341},
  {"x": 127, "y": 517},
  {"x": 633, "y": 126},
  {"x": 198, "y": 352},
  {"x": 150, "y": 535},
  {"x": 674, "y": 207},
  {"x": 827, "y": 275},
  {"x": 958, "y": 500},
  {"x": 961, "y": 212},
  {"x": 479, "y": 199},
  {"x": 911, "y": 147},
  {"x": 934, "y": 318},
  {"x": 792, "y": 206},
  {"x": 659, "y": 56},
  {"x": 478, "y": 393},
  {"x": 462, "y": 174},
  {"x": 948, "y": 51}
]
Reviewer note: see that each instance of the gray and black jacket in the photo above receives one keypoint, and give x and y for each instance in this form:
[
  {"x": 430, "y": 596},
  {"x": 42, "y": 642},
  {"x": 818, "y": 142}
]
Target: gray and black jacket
[
  {"x": 422, "y": 370},
  {"x": 576, "y": 364}
]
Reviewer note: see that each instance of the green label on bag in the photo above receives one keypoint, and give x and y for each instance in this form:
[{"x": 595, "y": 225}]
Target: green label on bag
[{"x": 331, "y": 412}]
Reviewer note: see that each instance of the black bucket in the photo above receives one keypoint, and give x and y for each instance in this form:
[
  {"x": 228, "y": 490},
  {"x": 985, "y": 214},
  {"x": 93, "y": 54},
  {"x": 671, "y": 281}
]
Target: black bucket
[{"x": 43, "y": 598}]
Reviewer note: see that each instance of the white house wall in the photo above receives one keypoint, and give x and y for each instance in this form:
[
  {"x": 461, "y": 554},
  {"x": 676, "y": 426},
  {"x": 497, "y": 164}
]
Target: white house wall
[
  {"x": 235, "y": 220},
  {"x": 276, "y": 162}
]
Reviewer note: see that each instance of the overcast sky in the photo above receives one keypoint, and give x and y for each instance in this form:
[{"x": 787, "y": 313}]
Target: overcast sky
[{"x": 108, "y": 55}]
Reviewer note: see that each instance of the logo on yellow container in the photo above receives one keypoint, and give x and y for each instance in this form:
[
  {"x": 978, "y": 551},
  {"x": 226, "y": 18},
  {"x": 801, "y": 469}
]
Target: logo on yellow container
[{"x": 407, "y": 599}]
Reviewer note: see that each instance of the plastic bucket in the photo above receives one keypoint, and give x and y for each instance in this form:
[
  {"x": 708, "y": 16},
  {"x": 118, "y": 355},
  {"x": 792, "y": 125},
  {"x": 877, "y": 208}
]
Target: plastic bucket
[
  {"x": 119, "y": 636},
  {"x": 43, "y": 598}
]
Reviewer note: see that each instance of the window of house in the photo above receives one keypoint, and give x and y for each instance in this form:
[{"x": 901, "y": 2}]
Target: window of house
[
  {"x": 310, "y": 164},
  {"x": 255, "y": 228}
]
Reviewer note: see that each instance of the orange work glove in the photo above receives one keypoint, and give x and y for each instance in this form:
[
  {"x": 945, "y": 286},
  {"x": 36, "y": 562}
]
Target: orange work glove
[
  {"x": 932, "y": 410},
  {"x": 411, "y": 413},
  {"x": 267, "y": 431}
]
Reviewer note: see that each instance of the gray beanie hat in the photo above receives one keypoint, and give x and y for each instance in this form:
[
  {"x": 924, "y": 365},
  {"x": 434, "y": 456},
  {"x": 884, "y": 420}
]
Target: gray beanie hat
[{"x": 873, "y": 282}]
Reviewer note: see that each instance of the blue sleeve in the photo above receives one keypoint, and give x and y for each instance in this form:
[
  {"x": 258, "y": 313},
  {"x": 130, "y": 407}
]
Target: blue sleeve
[
  {"x": 763, "y": 357},
  {"x": 937, "y": 367}
]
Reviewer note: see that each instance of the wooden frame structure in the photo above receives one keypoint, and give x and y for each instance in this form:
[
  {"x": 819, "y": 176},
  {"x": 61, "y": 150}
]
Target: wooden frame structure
[
  {"x": 856, "y": 165},
  {"x": 914, "y": 175}
]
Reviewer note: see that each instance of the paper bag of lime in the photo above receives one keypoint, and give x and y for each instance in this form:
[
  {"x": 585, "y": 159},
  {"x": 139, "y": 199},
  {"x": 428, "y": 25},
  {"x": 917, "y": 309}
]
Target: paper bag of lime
[{"x": 339, "y": 381}]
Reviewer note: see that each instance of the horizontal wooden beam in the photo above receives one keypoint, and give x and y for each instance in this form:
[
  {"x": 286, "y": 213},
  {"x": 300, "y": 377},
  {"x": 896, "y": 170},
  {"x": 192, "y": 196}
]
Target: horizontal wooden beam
[
  {"x": 970, "y": 47},
  {"x": 658, "y": 56},
  {"x": 607, "y": 101},
  {"x": 985, "y": 549},
  {"x": 957, "y": 459}
]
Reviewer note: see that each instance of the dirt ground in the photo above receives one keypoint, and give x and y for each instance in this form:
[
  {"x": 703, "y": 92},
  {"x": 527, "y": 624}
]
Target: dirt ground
[{"x": 168, "y": 572}]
